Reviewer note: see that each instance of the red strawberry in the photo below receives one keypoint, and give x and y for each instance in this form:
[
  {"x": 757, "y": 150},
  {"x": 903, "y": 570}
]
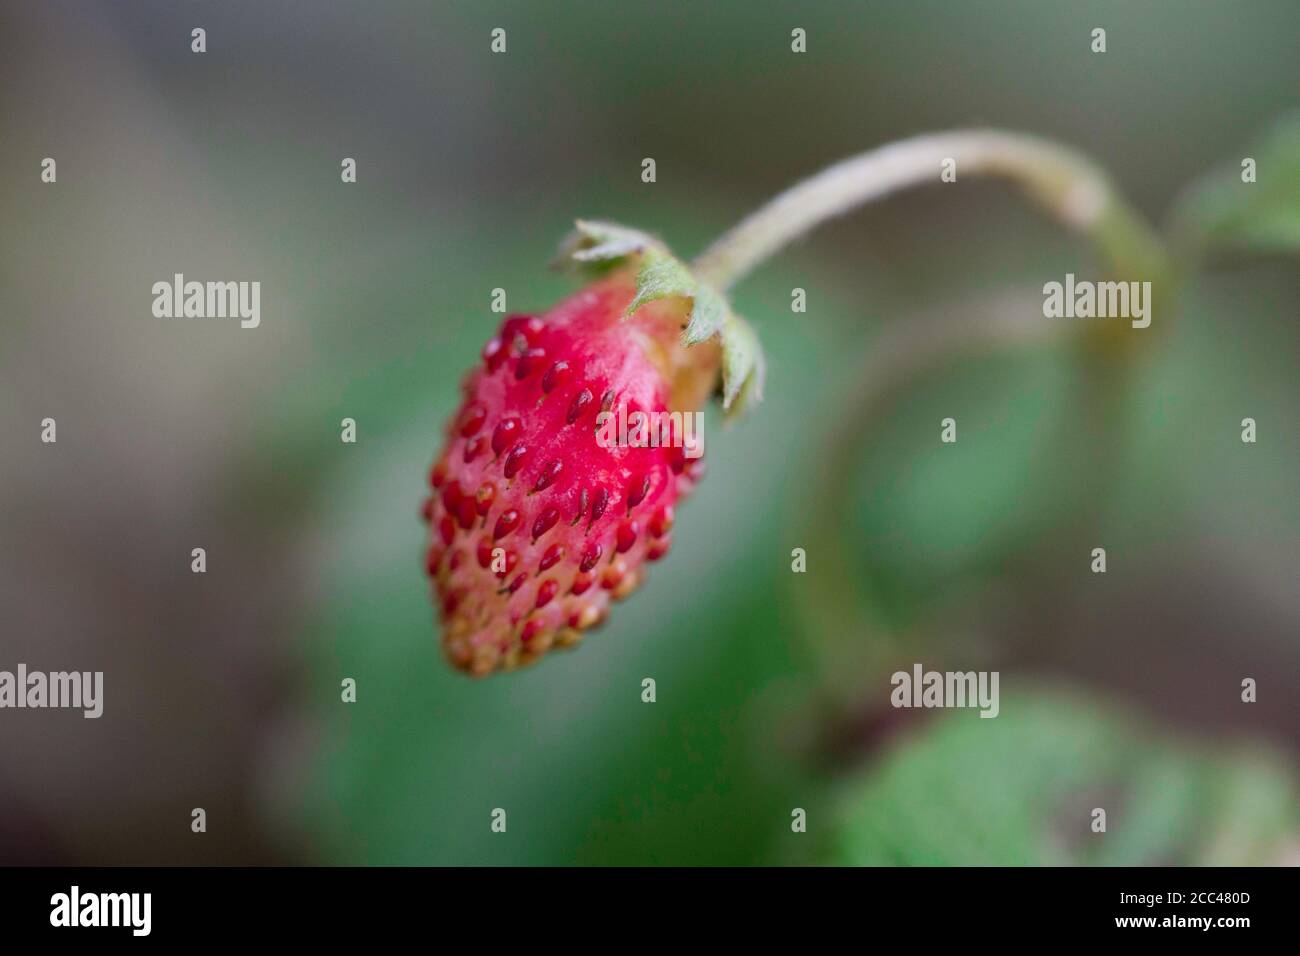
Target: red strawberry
[{"x": 523, "y": 472}]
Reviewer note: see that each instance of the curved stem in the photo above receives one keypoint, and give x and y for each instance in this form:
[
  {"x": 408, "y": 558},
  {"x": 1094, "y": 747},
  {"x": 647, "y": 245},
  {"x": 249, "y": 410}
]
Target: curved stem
[{"x": 1068, "y": 185}]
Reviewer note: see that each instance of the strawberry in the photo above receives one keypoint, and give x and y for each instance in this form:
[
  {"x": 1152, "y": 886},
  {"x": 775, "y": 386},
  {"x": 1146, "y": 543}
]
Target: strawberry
[
  {"x": 523, "y": 472},
  {"x": 536, "y": 525}
]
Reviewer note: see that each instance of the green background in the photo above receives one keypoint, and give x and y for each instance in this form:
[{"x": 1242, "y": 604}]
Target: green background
[{"x": 1120, "y": 690}]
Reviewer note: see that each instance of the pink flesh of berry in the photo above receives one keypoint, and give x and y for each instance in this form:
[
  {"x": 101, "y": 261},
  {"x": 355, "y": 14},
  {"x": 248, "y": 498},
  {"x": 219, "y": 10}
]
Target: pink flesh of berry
[{"x": 524, "y": 485}]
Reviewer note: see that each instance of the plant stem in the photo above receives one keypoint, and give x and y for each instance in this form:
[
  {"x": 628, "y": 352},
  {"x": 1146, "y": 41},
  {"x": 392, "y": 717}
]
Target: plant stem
[{"x": 1068, "y": 185}]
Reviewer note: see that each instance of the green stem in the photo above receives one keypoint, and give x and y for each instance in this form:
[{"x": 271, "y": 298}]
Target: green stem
[
  {"x": 1069, "y": 187},
  {"x": 1067, "y": 184}
]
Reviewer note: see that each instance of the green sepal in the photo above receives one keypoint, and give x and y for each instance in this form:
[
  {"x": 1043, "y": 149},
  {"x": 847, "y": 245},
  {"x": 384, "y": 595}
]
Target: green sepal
[
  {"x": 708, "y": 313},
  {"x": 660, "y": 277},
  {"x": 743, "y": 366},
  {"x": 1223, "y": 214},
  {"x": 596, "y": 246},
  {"x": 664, "y": 276}
]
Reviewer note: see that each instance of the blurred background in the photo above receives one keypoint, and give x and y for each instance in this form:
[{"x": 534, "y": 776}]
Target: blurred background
[{"x": 1120, "y": 690}]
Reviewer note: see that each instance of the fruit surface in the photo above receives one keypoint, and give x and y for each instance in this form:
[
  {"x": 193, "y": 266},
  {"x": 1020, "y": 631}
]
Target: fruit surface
[{"x": 535, "y": 525}]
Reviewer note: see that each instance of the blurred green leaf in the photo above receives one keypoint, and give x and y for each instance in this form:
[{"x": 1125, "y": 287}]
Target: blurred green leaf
[
  {"x": 1223, "y": 213},
  {"x": 1019, "y": 789}
]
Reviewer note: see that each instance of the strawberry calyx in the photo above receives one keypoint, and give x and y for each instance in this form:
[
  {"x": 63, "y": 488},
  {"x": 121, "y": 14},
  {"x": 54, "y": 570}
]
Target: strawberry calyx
[{"x": 596, "y": 248}]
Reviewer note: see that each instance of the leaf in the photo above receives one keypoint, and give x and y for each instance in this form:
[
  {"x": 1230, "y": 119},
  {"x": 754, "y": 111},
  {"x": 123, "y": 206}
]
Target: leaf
[
  {"x": 1222, "y": 213},
  {"x": 742, "y": 364},
  {"x": 661, "y": 276},
  {"x": 1021, "y": 789},
  {"x": 708, "y": 312}
]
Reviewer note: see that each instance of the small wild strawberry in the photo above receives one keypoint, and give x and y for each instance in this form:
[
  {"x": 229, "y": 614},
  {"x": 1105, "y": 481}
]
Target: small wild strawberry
[{"x": 536, "y": 526}]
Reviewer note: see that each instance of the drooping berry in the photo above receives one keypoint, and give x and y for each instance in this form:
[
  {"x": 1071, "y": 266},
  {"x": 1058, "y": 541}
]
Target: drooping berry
[{"x": 535, "y": 526}]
